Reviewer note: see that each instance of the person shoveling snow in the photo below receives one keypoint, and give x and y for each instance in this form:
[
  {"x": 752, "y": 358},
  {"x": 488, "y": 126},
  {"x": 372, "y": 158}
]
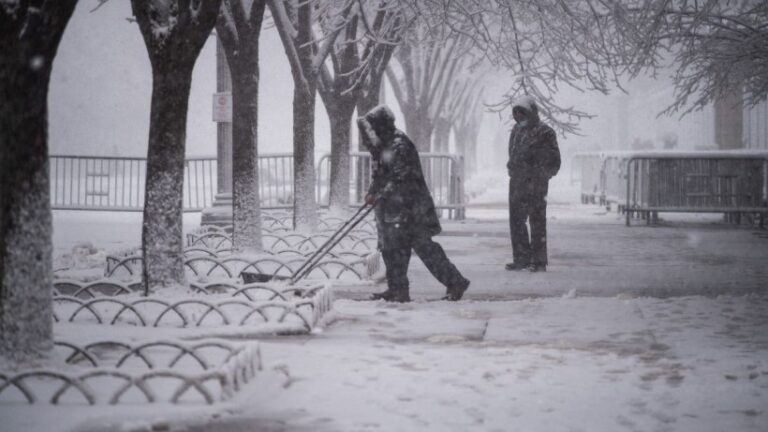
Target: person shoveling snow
[{"x": 406, "y": 218}]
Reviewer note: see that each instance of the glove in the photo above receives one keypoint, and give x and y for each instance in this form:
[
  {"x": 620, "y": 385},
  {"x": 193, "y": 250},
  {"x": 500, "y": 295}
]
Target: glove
[{"x": 370, "y": 199}]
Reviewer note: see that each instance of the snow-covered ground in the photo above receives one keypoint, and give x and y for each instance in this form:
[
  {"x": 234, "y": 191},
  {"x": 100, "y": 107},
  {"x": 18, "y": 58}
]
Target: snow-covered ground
[
  {"x": 661, "y": 328},
  {"x": 558, "y": 364}
]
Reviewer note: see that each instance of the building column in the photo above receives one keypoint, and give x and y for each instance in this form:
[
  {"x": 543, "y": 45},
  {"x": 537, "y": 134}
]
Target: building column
[{"x": 220, "y": 213}]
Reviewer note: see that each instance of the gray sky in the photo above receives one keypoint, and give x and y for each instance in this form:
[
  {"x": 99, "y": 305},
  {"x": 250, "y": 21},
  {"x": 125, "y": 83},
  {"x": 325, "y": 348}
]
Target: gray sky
[{"x": 102, "y": 85}]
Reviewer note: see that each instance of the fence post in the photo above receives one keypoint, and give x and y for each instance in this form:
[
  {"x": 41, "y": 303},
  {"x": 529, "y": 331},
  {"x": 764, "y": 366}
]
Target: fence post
[{"x": 456, "y": 189}]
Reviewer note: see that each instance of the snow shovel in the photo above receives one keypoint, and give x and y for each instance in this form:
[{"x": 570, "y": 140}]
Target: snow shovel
[{"x": 314, "y": 259}]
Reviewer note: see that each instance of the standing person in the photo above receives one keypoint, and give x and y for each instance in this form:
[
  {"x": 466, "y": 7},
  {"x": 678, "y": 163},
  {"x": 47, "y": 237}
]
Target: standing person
[
  {"x": 405, "y": 212},
  {"x": 534, "y": 158}
]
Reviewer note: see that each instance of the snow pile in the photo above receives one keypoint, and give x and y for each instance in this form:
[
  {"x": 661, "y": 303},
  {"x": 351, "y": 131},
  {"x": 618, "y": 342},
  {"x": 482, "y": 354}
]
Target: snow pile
[{"x": 82, "y": 256}]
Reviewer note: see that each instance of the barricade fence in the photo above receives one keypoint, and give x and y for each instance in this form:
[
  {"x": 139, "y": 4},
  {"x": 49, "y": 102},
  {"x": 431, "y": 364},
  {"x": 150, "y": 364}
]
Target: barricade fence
[
  {"x": 443, "y": 173},
  {"x": 729, "y": 183},
  {"x": 586, "y": 168},
  {"x": 118, "y": 183},
  {"x": 646, "y": 183},
  {"x": 276, "y": 181}
]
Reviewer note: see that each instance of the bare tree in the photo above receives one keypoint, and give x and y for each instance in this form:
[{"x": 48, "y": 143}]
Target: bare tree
[
  {"x": 467, "y": 128},
  {"x": 386, "y": 32},
  {"x": 30, "y": 32},
  {"x": 425, "y": 72},
  {"x": 716, "y": 47},
  {"x": 357, "y": 60},
  {"x": 294, "y": 20},
  {"x": 460, "y": 104},
  {"x": 388, "y": 27},
  {"x": 238, "y": 28},
  {"x": 174, "y": 33},
  {"x": 543, "y": 45},
  {"x": 339, "y": 97}
]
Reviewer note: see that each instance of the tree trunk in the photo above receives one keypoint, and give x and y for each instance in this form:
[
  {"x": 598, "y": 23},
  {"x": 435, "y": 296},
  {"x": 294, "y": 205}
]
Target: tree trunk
[
  {"x": 29, "y": 39},
  {"x": 238, "y": 29},
  {"x": 245, "y": 161},
  {"x": 162, "y": 239},
  {"x": 442, "y": 135},
  {"x": 25, "y": 213},
  {"x": 471, "y": 158},
  {"x": 466, "y": 144},
  {"x": 341, "y": 120},
  {"x": 173, "y": 42},
  {"x": 419, "y": 129},
  {"x": 304, "y": 203}
]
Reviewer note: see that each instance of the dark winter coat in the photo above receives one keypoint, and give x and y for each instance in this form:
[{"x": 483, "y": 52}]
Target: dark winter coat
[
  {"x": 534, "y": 157},
  {"x": 404, "y": 201}
]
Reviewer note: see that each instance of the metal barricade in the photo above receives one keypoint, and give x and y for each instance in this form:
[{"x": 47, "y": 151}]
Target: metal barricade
[
  {"x": 117, "y": 183},
  {"x": 444, "y": 174},
  {"x": 276, "y": 181},
  {"x": 200, "y": 183},
  {"x": 589, "y": 165},
  {"x": 613, "y": 176},
  {"x": 732, "y": 183}
]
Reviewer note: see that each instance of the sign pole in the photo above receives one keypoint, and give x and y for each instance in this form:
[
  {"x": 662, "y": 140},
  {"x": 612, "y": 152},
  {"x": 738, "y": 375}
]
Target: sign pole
[{"x": 220, "y": 213}]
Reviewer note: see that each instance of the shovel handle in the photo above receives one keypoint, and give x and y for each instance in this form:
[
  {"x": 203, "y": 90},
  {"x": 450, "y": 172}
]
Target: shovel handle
[{"x": 332, "y": 241}]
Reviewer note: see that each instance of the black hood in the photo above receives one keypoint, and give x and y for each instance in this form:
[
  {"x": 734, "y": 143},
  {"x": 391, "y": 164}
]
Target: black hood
[
  {"x": 528, "y": 104},
  {"x": 377, "y": 124}
]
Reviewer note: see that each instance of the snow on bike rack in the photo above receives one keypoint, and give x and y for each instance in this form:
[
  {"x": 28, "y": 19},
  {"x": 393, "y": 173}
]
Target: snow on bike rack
[
  {"x": 221, "y": 304},
  {"x": 114, "y": 372},
  {"x": 355, "y": 242},
  {"x": 231, "y": 266}
]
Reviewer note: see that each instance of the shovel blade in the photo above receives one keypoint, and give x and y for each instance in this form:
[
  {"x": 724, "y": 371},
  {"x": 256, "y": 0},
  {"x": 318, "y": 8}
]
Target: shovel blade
[{"x": 252, "y": 277}]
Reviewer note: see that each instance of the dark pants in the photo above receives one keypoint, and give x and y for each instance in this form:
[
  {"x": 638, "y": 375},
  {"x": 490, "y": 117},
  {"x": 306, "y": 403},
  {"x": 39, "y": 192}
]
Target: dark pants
[
  {"x": 531, "y": 207},
  {"x": 398, "y": 254}
]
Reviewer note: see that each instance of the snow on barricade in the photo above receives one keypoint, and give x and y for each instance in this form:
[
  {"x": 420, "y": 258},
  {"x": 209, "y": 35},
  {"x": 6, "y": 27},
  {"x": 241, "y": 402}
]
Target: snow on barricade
[
  {"x": 115, "y": 372},
  {"x": 259, "y": 308}
]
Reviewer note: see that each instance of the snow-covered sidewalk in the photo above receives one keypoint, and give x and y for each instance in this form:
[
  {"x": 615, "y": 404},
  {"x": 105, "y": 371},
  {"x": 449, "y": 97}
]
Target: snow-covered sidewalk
[
  {"x": 592, "y": 253},
  {"x": 642, "y": 329},
  {"x": 555, "y": 364},
  {"x": 558, "y": 364}
]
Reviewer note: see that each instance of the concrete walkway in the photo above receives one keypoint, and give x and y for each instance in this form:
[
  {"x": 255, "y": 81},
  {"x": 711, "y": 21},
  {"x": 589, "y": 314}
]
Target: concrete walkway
[{"x": 592, "y": 253}]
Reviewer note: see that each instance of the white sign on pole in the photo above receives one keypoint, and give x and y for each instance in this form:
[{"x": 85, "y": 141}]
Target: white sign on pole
[{"x": 222, "y": 107}]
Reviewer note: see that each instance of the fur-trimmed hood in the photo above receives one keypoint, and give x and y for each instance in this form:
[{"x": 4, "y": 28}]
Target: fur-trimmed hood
[
  {"x": 376, "y": 124},
  {"x": 528, "y": 104}
]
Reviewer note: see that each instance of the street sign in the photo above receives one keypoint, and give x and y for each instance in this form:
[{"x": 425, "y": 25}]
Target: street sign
[{"x": 222, "y": 107}]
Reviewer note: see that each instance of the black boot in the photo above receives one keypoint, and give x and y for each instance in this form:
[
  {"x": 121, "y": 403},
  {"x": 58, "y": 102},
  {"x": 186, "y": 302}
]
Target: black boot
[
  {"x": 384, "y": 295},
  {"x": 401, "y": 296},
  {"x": 455, "y": 293},
  {"x": 516, "y": 267},
  {"x": 392, "y": 296}
]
